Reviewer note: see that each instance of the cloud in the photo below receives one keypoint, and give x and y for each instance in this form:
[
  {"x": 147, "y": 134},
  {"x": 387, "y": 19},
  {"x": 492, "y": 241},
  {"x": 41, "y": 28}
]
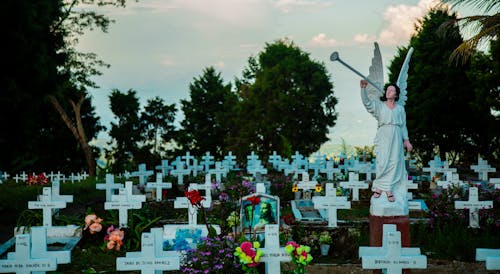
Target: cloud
[
  {"x": 220, "y": 65},
  {"x": 363, "y": 38},
  {"x": 321, "y": 40},
  {"x": 167, "y": 61},
  {"x": 401, "y": 20}
]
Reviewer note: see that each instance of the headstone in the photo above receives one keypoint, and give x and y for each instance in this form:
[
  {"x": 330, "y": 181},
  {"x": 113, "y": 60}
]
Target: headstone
[
  {"x": 392, "y": 256},
  {"x": 159, "y": 185},
  {"x": 124, "y": 201},
  {"x": 273, "y": 254},
  {"x": 47, "y": 204},
  {"x": 151, "y": 259},
  {"x": 482, "y": 168},
  {"x": 22, "y": 260},
  {"x": 109, "y": 186},
  {"x": 143, "y": 174},
  {"x": 473, "y": 205},
  {"x": 490, "y": 256},
  {"x": 254, "y": 218},
  {"x": 331, "y": 203},
  {"x": 355, "y": 184}
]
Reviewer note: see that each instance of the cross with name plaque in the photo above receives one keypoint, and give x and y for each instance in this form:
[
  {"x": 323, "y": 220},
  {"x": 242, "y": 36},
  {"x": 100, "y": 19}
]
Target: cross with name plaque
[
  {"x": 473, "y": 205},
  {"x": 355, "y": 184},
  {"x": 124, "y": 201},
  {"x": 159, "y": 185},
  {"x": 22, "y": 261},
  {"x": 331, "y": 203},
  {"x": 273, "y": 254},
  {"x": 47, "y": 204},
  {"x": 109, "y": 186}
]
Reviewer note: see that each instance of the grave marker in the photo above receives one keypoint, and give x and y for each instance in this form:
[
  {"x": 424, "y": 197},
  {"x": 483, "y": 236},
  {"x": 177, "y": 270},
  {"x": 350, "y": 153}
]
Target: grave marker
[
  {"x": 180, "y": 171},
  {"x": 109, "y": 186},
  {"x": 473, "y": 205},
  {"x": 142, "y": 173},
  {"x": 273, "y": 254},
  {"x": 47, "y": 205},
  {"x": 391, "y": 256},
  {"x": 159, "y": 185},
  {"x": 207, "y": 160},
  {"x": 331, "y": 203},
  {"x": 355, "y": 184},
  {"x": 22, "y": 261},
  {"x": 482, "y": 168},
  {"x": 124, "y": 201}
]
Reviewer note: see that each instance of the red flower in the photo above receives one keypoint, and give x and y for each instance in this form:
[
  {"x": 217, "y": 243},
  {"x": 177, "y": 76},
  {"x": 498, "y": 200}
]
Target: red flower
[
  {"x": 194, "y": 197},
  {"x": 255, "y": 200}
]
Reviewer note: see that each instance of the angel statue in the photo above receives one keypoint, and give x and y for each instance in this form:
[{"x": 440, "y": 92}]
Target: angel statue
[{"x": 387, "y": 106}]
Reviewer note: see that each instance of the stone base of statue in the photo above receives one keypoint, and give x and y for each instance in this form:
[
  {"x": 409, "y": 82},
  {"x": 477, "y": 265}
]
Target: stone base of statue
[{"x": 384, "y": 212}]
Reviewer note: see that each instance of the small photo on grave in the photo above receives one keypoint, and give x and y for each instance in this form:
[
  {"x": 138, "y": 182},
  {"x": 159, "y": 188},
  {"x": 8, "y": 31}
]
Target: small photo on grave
[{"x": 262, "y": 214}]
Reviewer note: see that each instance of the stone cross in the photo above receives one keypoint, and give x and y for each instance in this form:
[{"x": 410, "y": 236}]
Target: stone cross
[
  {"x": 391, "y": 256},
  {"x": 482, "y": 168},
  {"x": 22, "y": 261},
  {"x": 180, "y": 172},
  {"x": 329, "y": 170},
  {"x": 355, "y": 184},
  {"x": 143, "y": 174},
  {"x": 164, "y": 168},
  {"x": 451, "y": 179},
  {"x": 273, "y": 254},
  {"x": 124, "y": 201},
  {"x": 331, "y": 203},
  {"x": 275, "y": 160},
  {"x": 490, "y": 256},
  {"x": 151, "y": 259},
  {"x": 109, "y": 186},
  {"x": 207, "y": 160},
  {"x": 159, "y": 185},
  {"x": 473, "y": 205},
  {"x": 47, "y": 205}
]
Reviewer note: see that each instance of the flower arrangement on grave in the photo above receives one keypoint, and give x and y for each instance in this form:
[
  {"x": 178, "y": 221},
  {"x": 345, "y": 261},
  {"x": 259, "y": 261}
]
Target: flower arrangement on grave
[
  {"x": 325, "y": 238},
  {"x": 195, "y": 199},
  {"x": 300, "y": 254},
  {"x": 212, "y": 255},
  {"x": 249, "y": 254},
  {"x": 39, "y": 179},
  {"x": 114, "y": 238},
  {"x": 93, "y": 223}
]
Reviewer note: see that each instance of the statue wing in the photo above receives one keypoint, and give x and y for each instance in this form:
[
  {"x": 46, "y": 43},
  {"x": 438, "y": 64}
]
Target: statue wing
[
  {"x": 376, "y": 75},
  {"x": 403, "y": 77}
]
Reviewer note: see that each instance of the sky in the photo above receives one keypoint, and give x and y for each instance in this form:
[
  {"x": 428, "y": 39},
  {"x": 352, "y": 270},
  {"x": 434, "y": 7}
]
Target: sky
[{"x": 158, "y": 47}]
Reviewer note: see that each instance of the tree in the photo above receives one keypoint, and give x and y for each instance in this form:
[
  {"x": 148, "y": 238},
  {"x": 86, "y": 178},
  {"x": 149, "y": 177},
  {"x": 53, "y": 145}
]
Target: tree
[
  {"x": 286, "y": 103},
  {"x": 206, "y": 115},
  {"x": 126, "y": 134},
  {"x": 486, "y": 27},
  {"x": 440, "y": 116},
  {"x": 157, "y": 127}
]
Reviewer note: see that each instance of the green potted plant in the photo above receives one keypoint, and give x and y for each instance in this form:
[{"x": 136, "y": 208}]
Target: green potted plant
[{"x": 325, "y": 240}]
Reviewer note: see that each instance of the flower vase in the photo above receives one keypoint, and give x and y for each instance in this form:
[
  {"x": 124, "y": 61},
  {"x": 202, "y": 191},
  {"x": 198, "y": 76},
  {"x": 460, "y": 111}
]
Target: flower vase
[{"x": 325, "y": 248}]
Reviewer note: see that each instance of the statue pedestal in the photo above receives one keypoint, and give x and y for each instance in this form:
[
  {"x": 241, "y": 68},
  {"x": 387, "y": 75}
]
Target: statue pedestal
[{"x": 402, "y": 225}]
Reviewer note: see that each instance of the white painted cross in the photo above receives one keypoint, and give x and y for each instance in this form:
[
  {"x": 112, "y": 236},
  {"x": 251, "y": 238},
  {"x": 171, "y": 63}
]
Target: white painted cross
[
  {"x": 305, "y": 184},
  {"x": 275, "y": 160},
  {"x": 355, "y": 184},
  {"x": 151, "y": 259},
  {"x": 273, "y": 254},
  {"x": 331, "y": 203},
  {"x": 47, "y": 205},
  {"x": 207, "y": 160},
  {"x": 329, "y": 170},
  {"x": 319, "y": 162},
  {"x": 231, "y": 160},
  {"x": 39, "y": 246},
  {"x": 56, "y": 187},
  {"x": 142, "y": 173},
  {"x": 434, "y": 166},
  {"x": 164, "y": 167},
  {"x": 183, "y": 202},
  {"x": 490, "y": 256},
  {"x": 124, "y": 201},
  {"x": 109, "y": 186},
  {"x": 218, "y": 171},
  {"x": 482, "y": 168},
  {"x": 391, "y": 256},
  {"x": 446, "y": 168},
  {"x": 473, "y": 205},
  {"x": 187, "y": 159},
  {"x": 159, "y": 185},
  {"x": 180, "y": 171},
  {"x": 452, "y": 178},
  {"x": 21, "y": 261}
]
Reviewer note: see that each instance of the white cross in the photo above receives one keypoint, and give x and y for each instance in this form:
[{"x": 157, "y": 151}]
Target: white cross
[
  {"x": 39, "y": 246},
  {"x": 331, "y": 203},
  {"x": 482, "y": 168},
  {"x": 473, "y": 205},
  {"x": 47, "y": 205},
  {"x": 219, "y": 171},
  {"x": 159, "y": 185},
  {"x": 56, "y": 188},
  {"x": 124, "y": 201},
  {"x": 329, "y": 170},
  {"x": 151, "y": 259},
  {"x": 305, "y": 184},
  {"x": 188, "y": 157},
  {"x": 164, "y": 167},
  {"x": 355, "y": 184},
  {"x": 180, "y": 172},
  {"x": 273, "y": 254},
  {"x": 451, "y": 179},
  {"x": 142, "y": 173},
  {"x": 231, "y": 159},
  {"x": 109, "y": 186},
  {"x": 391, "y": 256},
  {"x": 275, "y": 160},
  {"x": 207, "y": 161},
  {"x": 495, "y": 181},
  {"x": 21, "y": 261},
  {"x": 434, "y": 166}
]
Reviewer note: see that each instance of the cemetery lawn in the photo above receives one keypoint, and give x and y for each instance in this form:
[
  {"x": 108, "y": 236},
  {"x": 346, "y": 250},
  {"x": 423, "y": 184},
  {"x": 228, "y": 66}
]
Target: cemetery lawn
[{"x": 448, "y": 243}]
